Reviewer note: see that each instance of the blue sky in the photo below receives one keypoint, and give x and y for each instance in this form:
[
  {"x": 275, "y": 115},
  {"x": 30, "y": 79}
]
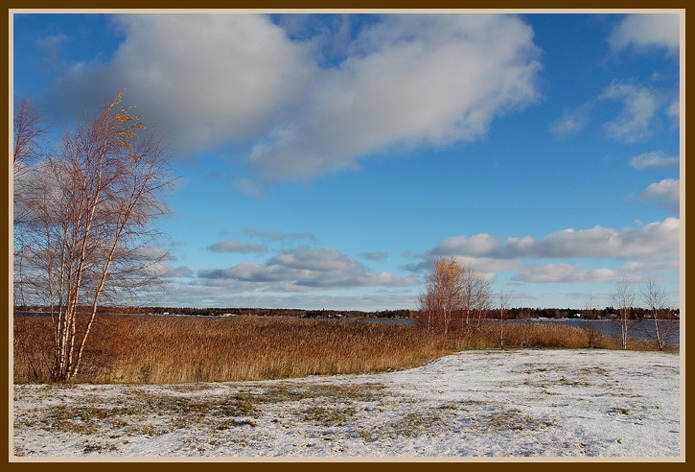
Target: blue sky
[{"x": 325, "y": 161}]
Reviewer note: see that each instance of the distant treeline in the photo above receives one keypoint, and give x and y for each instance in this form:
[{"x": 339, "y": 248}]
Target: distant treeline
[
  {"x": 593, "y": 314},
  {"x": 286, "y": 312},
  {"x": 511, "y": 314}
]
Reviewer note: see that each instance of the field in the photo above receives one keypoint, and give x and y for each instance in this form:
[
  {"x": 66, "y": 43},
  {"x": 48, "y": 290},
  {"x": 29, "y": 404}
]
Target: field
[
  {"x": 257, "y": 387},
  {"x": 487, "y": 403},
  {"x": 179, "y": 350}
]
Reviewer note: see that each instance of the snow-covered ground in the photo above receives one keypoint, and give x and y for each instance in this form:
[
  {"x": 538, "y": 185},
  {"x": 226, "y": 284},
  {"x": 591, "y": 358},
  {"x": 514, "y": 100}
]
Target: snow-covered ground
[{"x": 550, "y": 403}]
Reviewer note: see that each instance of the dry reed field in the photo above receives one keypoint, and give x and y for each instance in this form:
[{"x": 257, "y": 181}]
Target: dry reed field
[{"x": 182, "y": 350}]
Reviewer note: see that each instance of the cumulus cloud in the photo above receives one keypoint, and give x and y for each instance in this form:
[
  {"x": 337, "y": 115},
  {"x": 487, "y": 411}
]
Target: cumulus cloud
[
  {"x": 651, "y": 247},
  {"x": 321, "y": 259},
  {"x": 488, "y": 267},
  {"x": 180, "y": 271},
  {"x": 417, "y": 79},
  {"x": 648, "y": 266},
  {"x": 476, "y": 245},
  {"x": 636, "y": 120},
  {"x": 303, "y": 267},
  {"x": 235, "y": 246},
  {"x": 653, "y": 159},
  {"x": 647, "y": 31},
  {"x": 654, "y": 240},
  {"x": 563, "y": 273},
  {"x": 232, "y": 78},
  {"x": 665, "y": 193},
  {"x": 208, "y": 78}
]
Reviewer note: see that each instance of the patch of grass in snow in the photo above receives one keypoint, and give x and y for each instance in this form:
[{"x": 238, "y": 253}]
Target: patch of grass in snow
[
  {"x": 596, "y": 370},
  {"x": 619, "y": 410},
  {"x": 328, "y": 416},
  {"x": 98, "y": 448},
  {"x": 511, "y": 420},
  {"x": 234, "y": 405},
  {"x": 87, "y": 419},
  {"x": 416, "y": 423},
  {"x": 190, "y": 388},
  {"x": 340, "y": 398},
  {"x": 296, "y": 391},
  {"x": 574, "y": 382},
  {"x": 147, "y": 414},
  {"x": 411, "y": 424}
]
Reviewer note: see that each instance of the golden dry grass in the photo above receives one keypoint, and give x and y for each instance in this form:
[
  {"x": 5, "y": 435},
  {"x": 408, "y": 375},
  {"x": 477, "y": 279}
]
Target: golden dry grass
[
  {"x": 181, "y": 350},
  {"x": 177, "y": 350}
]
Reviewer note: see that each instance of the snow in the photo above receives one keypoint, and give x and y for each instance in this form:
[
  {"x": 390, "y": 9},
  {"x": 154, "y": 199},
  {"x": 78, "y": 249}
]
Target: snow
[{"x": 519, "y": 403}]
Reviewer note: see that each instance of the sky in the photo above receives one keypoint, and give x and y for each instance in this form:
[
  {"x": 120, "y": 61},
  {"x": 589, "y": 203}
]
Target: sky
[{"x": 326, "y": 160}]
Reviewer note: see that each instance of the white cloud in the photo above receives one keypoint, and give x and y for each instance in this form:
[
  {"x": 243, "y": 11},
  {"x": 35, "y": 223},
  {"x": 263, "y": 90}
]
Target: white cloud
[
  {"x": 488, "y": 267},
  {"x": 632, "y": 267},
  {"x": 674, "y": 112},
  {"x": 180, "y": 271},
  {"x": 475, "y": 245},
  {"x": 652, "y": 159},
  {"x": 406, "y": 80},
  {"x": 651, "y": 248},
  {"x": 636, "y": 120},
  {"x": 563, "y": 273},
  {"x": 655, "y": 240},
  {"x": 665, "y": 193},
  {"x": 209, "y": 78},
  {"x": 647, "y": 31},
  {"x": 305, "y": 268},
  {"x": 321, "y": 259},
  {"x": 417, "y": 79}
]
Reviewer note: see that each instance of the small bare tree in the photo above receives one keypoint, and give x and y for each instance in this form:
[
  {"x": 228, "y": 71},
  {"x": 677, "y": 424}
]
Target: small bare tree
[
  {"x": 624, "y": 299},
  {"x": 476, "y": 297},
  {"x": 654, "y": 298},
  {"x": 453, "y": 292},
  {"x": 89, "y": 211},
  {"x": 28, "y": 127}
]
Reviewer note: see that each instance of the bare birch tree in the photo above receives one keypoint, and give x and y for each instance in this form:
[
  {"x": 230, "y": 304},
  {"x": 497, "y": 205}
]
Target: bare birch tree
[
  {"x": 29, "y": 126},
  {"x": 476, "y": 297},
  {"x": 624, "y": 299},
  {"x": 90, "y": 211},
  {"x": 655, "y": 300}
]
